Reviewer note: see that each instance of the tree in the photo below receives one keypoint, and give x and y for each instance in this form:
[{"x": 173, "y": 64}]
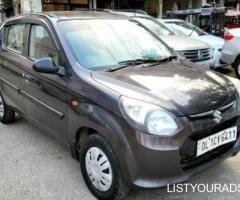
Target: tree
[{"x": 8, "y": 7}]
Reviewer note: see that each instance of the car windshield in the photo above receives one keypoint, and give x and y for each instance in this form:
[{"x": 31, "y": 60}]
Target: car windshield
[
  {"x": 155, "y": 26},
  {"x": 185, "y": 28},
  {"x": 100, "y": 43}
]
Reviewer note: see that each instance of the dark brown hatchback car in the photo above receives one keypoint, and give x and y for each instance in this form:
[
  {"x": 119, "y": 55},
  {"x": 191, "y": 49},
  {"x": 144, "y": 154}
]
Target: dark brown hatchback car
[{"x": 129, "y": 109}]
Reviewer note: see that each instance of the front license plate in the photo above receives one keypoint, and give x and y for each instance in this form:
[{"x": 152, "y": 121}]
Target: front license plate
[{"x": 209, "y": 143}]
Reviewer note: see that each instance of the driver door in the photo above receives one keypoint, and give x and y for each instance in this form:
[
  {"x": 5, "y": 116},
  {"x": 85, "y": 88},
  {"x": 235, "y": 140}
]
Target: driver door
[{"x": 44, "y": 94}]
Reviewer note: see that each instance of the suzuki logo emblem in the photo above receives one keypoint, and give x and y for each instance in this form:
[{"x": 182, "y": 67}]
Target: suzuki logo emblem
[{"x": 217, "y": 116}]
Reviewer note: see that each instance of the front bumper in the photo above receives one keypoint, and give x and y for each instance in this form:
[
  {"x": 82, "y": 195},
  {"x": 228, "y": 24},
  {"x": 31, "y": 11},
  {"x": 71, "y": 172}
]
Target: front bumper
[
  {"x": 161, "y": 161},
  {"x": 204, "y": 64},
  {"x": 217, "y": 56}
]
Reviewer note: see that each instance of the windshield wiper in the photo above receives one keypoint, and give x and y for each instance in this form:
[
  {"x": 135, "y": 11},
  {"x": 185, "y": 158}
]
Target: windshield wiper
[
  {"x": 131, "y": 63},
  {"x": 161, "y": 60},
  {"x": 127, "y": 63},
  {"x": 111, "y": 69},
  {"x": 147, "y": 60}
]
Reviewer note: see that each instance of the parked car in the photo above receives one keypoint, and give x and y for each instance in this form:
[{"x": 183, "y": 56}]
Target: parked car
[
  {"x": 132, "y": 114},
  {"x": 231, "y": 49},
  {"x": 210, "y": 19},
  {"x": 194, "y": 50},
  {"x": 181, "y": 27}
]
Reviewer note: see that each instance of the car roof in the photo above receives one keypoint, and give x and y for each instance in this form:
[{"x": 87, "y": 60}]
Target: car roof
[
  {"x": 171, "y": 20},
  {"x": 83, "y": 14},
  {"x": 129, "y": 14},
  {"x": 63, "y": 15}
]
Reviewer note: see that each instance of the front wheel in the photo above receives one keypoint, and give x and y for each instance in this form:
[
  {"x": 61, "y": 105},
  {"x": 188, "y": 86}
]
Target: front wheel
[
  {"x": 100, "y": 169},
  {"x": 237, "y": 67},
  {"x": 7, "y": 115}
]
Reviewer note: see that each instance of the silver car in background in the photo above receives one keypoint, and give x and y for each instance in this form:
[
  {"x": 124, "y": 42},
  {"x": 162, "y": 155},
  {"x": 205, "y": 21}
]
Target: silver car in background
[
  {"x": 196, "y": 51},
  {"x": 181, "y": 27},
  {"x": 231, "y": 49}
]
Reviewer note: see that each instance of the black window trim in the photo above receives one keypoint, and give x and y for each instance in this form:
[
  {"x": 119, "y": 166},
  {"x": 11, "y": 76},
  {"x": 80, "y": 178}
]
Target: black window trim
[
  {"x": 29, "y": 40},
  {"x": 5, "y": 37},
  {"x": 29, "y": 23},
  {"x": 63, "y": 61}
]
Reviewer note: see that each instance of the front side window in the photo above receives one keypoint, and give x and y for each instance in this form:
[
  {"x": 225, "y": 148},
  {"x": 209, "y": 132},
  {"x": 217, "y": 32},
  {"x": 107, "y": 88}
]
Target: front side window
[
  {"x": 100, "y": 43},
  {"x": 156, "y": 27},
  {"x": 41, "y": 44},
  {"x": 15, "y": 37},
  {"x": 185, "y": 28}
]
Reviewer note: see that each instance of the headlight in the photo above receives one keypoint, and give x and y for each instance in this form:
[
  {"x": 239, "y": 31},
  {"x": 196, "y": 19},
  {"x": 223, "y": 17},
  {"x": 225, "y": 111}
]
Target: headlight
[
  {"x": 149, "y": 118},
  {"x": 181, "y": 55},
  {"x": 212, "y": 53}
]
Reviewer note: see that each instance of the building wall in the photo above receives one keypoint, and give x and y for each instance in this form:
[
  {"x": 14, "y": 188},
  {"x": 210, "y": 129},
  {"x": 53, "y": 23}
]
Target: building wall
[
  {"x": 174, "y": 4},
  {"x": 49, "y": 5},
  {"x": 153, "y": 7},
  {"x": 184, "y": 4}
]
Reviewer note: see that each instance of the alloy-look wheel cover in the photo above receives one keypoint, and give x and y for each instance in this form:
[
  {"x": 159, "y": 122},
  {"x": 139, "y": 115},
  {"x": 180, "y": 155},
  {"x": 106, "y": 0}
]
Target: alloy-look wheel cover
[
  {"x": 1, "y": 107},
  {"x": 99, "y": 169}
]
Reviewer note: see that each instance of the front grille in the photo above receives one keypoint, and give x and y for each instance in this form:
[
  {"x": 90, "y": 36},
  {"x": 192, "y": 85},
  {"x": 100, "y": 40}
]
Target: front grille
[
  {"x": 209, "y": 131},
  {"x": 197, "y": 55},
  {"x": 189, "y": 149}
]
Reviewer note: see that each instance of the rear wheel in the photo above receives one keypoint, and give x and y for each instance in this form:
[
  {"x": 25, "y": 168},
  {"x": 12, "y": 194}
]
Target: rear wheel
[
  {"x": 237, "y": 67},
  {"x": 100, "y": 169},
  {"x": 7, "y": 115}
]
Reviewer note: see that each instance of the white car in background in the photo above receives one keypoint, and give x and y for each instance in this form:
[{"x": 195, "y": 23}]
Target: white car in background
[
  {"x": 231, "y": 49},
  {"x": 194, "y": 50},
  {"x": 181, "y": 27}
]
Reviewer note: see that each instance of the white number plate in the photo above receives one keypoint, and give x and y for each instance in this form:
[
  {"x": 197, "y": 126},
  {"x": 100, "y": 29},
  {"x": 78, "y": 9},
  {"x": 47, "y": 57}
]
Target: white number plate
[{"x": 209, "y": 143}]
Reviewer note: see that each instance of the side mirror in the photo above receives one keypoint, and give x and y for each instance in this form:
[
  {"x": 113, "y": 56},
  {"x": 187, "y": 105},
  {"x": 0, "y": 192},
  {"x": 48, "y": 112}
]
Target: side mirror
[{"x": 47, "y": 66}]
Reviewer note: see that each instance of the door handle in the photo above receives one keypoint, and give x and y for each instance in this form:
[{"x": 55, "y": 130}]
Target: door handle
[{"x": 25, "y": 76}]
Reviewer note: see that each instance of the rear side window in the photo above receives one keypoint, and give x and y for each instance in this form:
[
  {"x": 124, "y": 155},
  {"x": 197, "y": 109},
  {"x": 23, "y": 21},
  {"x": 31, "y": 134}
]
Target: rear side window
[
  {"x": 15, "y": 37},
  {"x": 41, "y": 44}
]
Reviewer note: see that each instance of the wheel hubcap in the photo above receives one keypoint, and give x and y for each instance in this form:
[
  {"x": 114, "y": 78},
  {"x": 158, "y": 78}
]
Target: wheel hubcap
[
  {"x": 1, "y": 107},
  {"x": 99, "y": 169}
]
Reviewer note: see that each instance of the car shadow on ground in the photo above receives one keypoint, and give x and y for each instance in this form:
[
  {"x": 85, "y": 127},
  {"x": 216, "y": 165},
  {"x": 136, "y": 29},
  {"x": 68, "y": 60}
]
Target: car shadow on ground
[{"x": 227, "y": 70}]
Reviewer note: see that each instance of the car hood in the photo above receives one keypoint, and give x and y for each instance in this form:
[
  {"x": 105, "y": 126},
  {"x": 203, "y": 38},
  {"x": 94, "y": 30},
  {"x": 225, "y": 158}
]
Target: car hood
[
  {"x": 176, "y": 86},
  {"x": 181, "y": 43},
  {"x": 212, "y": 40}
]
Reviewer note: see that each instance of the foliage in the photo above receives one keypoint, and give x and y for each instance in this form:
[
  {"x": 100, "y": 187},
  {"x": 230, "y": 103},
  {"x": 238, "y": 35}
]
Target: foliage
[{"x": 8, "y": 6}]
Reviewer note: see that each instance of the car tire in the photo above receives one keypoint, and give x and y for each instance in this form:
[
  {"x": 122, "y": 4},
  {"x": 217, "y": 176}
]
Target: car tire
[
  {"x": 7, "y": 115},
  {"x": 97, "y": 158},
  {"x": 237, "y": 67},
  {"x": 212, "y": 67}
]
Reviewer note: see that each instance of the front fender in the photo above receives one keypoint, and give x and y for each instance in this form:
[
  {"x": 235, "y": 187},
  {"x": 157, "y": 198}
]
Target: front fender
[{"x": 111, "y": 126}]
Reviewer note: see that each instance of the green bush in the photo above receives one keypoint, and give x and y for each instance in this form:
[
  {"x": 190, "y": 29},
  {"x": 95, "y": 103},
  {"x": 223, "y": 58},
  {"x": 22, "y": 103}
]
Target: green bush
[{"x": 8, "y": 7}]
